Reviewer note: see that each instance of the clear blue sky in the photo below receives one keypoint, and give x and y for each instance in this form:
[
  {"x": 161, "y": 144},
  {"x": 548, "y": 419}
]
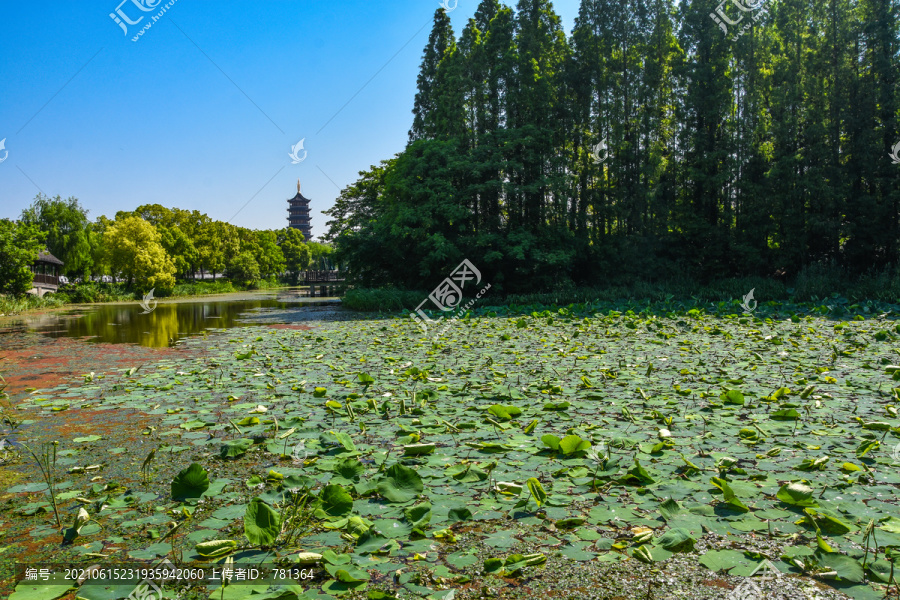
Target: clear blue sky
[{"x": 201, "y": 112}]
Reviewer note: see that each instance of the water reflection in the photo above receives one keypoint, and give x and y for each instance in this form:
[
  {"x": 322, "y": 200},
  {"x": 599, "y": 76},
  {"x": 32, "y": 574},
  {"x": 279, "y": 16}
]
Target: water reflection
[{"x": 171, "y": 321}]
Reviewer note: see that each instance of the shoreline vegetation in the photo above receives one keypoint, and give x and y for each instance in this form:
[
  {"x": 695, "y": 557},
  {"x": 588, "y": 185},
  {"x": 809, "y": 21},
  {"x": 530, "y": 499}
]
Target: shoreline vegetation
[
  {"x": 100, "y": 293},
  {"x": 817, "y": 285}
]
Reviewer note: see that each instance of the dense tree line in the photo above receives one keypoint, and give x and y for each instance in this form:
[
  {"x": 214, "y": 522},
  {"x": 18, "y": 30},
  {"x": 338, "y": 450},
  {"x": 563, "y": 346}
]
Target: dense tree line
[
  {"x": 649, "y": 144},
  {"x": 151, "y": 246}
]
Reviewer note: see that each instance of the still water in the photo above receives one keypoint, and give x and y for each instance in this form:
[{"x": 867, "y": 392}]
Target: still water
[{"x": 172, "y": 320}]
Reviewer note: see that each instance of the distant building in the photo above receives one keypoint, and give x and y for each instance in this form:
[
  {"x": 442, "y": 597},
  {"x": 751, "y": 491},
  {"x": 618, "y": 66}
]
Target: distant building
[
  {"x": 46, "y": 274},
  {"x": 298, "y": 214}
]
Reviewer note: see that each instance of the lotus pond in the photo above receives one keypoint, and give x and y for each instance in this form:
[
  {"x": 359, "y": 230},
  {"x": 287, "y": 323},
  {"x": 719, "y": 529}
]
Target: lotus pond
[{"x": 594, "y": 451}]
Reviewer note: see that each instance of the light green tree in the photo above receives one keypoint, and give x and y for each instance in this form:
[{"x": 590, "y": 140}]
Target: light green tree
[
  {"x": 321, "y": 256},
  {"x": 134, "y": 251},
  {"x": 99, "y": 256}
]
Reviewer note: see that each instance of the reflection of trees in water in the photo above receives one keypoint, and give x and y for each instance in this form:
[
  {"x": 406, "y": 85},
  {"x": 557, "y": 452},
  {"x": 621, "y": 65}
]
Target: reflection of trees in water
[{"x": 126, "y": 324}]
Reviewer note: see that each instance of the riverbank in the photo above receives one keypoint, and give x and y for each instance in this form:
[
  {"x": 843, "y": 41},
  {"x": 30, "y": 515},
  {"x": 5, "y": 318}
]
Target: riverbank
[
  {"x": 814, "y": 287},
  {"x": 105, "y": 293},
  {"x": 575, "y": 453}
]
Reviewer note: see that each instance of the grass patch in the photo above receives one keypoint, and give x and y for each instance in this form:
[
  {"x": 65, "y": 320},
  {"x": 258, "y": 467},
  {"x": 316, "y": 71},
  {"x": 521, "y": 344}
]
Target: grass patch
[
  {"x": 86, "y": 293},
  {"x": 385, "y": 299},
  {"x": 201, "y": 288},
  {"x": 13, "y": 305}
]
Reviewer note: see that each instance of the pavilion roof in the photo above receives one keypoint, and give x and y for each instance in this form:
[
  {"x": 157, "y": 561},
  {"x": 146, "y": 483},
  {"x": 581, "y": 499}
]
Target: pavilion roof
[{"x": 46, "y": 257}]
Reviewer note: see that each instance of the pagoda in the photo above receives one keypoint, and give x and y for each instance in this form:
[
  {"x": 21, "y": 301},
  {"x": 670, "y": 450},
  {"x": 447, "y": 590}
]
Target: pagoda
[{"x": 298, "y": 214}]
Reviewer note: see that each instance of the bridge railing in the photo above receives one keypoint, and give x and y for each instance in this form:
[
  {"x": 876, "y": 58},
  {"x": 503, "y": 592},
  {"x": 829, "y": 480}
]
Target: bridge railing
[{"x": 322, "y": 276}]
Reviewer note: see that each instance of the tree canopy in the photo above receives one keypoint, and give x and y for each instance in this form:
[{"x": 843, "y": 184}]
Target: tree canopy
[
  {"x": 648, "y": 144},
  {"x": 153, "y": 244},
  {"x": 134, "y": 250},
  {"x": 68, "y": 231}
]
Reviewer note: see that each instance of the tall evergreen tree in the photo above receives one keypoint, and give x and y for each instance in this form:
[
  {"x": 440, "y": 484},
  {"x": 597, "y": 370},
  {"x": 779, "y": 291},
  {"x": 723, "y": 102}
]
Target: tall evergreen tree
[{"x": 441, "y": 43}]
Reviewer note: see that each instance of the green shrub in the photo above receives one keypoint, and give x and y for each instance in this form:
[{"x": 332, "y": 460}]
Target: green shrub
[
  {"x": 13, "y": 305},
  {"x": 386, "y": 299},
  {"x": 202, "y": 288}
]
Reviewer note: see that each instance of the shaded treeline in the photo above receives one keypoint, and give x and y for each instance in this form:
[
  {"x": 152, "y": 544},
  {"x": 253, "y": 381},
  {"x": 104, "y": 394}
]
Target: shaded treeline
[{"x": 725, "y": 155}]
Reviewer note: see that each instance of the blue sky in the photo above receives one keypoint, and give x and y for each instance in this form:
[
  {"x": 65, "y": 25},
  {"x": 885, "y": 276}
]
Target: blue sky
[{"x": 202, "y": 111}]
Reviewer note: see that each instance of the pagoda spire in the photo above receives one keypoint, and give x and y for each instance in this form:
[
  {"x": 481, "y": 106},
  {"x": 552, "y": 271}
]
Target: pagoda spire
[{"x": 298, "y": 186}]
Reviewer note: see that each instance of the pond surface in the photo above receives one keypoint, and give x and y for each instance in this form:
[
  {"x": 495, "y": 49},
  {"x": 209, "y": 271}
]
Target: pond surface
[{"x": 125, "y": 323}]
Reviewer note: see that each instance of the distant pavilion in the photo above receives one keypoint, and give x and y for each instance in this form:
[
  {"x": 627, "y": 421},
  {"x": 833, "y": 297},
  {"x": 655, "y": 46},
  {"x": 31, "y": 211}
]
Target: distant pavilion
[
  {"x": 298, "y": 214},
  {"x": 46, "y": 274}
]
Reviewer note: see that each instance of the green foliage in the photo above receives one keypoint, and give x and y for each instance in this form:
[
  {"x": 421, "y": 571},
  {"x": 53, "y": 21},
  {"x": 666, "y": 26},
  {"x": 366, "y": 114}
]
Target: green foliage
[
  {"x": 12, "y": 305},
  {"x": 19, "y": 247},
  {"x": 296, "y": 254},
  {"x": 134, "y": 250},
  {"x": 363, "y": 481},
  {"x": 202, "y": 288},
  {"x": 82, "y": 293},
  {"x": 321, "y": 256},
  {"x": 762, "y": 154},
  {"x": 190, "y": 483},
  {"x": 261, "y": 523},
  {"x": 400, "y": 484},
  {"x": 372, "y": 300},
  {"x": 243, "y": 269},
  {"x": 333, "y": 502},
  {"x": 537, "y": 491},
  {"x": 68, "y": 231}
]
